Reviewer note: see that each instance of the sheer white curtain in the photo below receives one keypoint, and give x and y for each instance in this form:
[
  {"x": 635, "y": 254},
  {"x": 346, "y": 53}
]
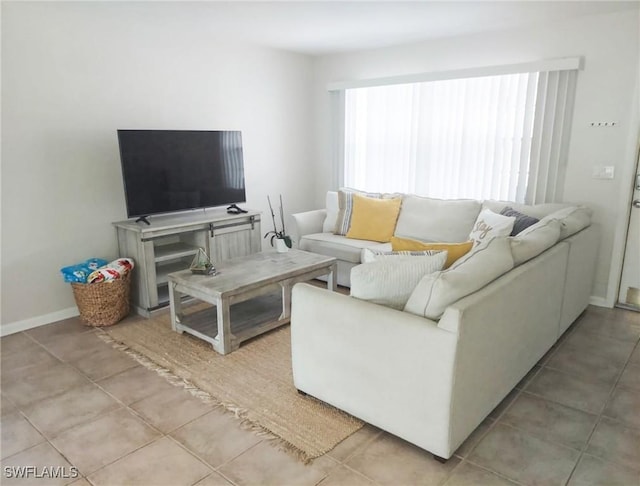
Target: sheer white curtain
[{"x": 489, "y": 137}]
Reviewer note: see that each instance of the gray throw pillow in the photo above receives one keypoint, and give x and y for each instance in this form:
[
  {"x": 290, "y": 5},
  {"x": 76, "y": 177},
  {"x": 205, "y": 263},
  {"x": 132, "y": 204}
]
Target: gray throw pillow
[{"x": 522, "y": 220}]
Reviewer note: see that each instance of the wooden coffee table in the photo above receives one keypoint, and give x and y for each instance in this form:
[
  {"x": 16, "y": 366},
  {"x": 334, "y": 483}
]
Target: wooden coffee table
[{"x": 250, "y": 279}]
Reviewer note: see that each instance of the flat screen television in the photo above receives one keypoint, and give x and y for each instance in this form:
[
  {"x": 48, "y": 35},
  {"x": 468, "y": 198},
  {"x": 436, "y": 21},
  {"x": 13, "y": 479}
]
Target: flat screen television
[{"x": 175, "y": 170}]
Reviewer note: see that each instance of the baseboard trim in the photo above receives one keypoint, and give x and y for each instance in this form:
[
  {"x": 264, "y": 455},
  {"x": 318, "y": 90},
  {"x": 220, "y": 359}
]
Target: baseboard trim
[
  {"x": 38, "y": 321},
  {"x": 599, "y": 302}
]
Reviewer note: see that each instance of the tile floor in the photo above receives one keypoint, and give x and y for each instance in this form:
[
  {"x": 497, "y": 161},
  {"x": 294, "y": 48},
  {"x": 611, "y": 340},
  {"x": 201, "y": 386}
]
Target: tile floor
[{"x": 70, "y": 400}]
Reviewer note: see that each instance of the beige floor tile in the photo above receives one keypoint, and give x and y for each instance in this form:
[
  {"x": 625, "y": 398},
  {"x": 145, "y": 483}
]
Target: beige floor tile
[
  {"x": 213, "y": 479},
  {"x": 594, "y": 344},
  {"x": 160, "y": 463},
  {"x": 104, "y": 362},
  {"x": 76, "y": 406},
  {"x": 470, "y": 475},
  {"x": 73, "y": 348},
  {"x": 522, "y": 384},
  {"x": 354, "y": 442},
  {"x": 504, "y": 404},
  {"x": 134, "y": 384},
  {"x": 16, "y": 366},
  {"x": 524, "y": 458},
  {"x": 573, "y": 391},
  {"x": 17, "y": 435},
  {"x": 216, "y": 437},
  {"x": 615, "y": 328},
  {"x": 17, "y": 342},
  {"x": 171, "y": 408},
  {"x": 44, "y": 461},
  {"x": 6, "y": 405},
  {"x": 264, "y": 464},
  {"x": 550, "y": 421},
  {"x": 593, "y": 471},
  {"x": 475, "y": 437},
  {"x": 631, "y": 377},
  {"x": 616, "y": 442},
  {"x": 43, "y": 381},
  {"x": 591, "y": 366},
  {"x": 624, "y": 405},
  {"x": 66, "y": 328},
  {"x": 80, "y": 482},
  {"x": 389, "y": 460},
  {"x": 342, "y": 476},
  {"x": 97, "y": 443},
  {"x": 635, "y": 356}
]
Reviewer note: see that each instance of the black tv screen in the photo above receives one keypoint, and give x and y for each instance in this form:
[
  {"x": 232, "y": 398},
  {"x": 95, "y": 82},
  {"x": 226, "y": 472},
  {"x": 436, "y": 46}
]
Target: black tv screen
[{"x": 175, "y": 170}]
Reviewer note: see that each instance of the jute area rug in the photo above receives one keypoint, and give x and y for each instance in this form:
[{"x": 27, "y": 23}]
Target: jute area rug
[{"x": 255, "y": 382}]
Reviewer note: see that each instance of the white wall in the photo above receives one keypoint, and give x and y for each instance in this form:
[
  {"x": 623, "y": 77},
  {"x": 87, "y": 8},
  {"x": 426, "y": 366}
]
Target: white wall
[
  {"x": 73, "y": 73},
  {"x": 610, "y": 47}
]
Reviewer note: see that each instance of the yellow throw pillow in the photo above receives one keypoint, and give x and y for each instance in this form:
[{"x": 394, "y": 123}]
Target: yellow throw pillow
[
  {"x": 454, "y": 250},
  {"x": 373, "y": 219}
]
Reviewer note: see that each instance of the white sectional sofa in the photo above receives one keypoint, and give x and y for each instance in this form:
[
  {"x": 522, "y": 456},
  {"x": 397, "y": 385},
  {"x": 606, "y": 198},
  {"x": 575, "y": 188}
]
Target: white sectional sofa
[{"x": 432, "y": 381}]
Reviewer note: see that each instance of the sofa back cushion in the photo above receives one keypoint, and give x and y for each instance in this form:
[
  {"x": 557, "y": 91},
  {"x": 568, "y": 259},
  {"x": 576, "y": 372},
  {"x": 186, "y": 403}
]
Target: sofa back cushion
[
  {"x": 329, "y": 224},
  {"x": 535, "y": 239},
  {"x": 436, "y": 291},
  {"x": 373, "y": 219},
  {"x": 390, "y": 281},
  {"x": 454, "y": 250},
  {"x": 441, "y": 220}
]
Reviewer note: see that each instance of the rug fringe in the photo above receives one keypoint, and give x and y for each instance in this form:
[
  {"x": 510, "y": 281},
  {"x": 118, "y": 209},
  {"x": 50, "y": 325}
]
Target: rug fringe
[{"x": 238, "y": 412}]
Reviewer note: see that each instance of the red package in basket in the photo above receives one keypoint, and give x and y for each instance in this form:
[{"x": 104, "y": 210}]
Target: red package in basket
[{"x": 112, "y": 271}]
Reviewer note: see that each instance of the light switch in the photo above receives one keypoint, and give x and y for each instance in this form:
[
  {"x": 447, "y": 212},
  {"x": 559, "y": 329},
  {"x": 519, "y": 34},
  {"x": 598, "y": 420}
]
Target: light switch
[{"x": 603, "y": 171}]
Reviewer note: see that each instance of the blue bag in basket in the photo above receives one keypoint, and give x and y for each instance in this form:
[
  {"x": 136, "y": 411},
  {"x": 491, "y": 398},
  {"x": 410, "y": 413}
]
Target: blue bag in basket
[{"x": 80, "y": 272}]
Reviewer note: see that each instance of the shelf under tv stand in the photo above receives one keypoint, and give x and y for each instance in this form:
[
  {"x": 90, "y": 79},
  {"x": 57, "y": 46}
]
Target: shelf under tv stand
[{"x": 169, "y": 243}]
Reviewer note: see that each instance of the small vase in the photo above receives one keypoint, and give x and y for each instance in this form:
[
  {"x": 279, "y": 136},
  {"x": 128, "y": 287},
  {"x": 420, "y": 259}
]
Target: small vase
[{"x": 281, "y": 246}]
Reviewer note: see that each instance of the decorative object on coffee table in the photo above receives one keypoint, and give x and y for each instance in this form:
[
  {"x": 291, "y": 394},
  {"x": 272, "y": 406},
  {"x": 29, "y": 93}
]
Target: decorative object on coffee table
[
  {"x": 201, "y": 264},
  {"x": 282, "y": 240}
]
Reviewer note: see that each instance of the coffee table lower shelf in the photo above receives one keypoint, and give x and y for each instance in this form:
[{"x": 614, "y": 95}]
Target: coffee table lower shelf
[{"x": 248, "y": 319}]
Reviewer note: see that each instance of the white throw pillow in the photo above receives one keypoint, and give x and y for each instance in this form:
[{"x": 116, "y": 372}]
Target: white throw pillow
[
  {"x": 435, "y": 292},
  {"x": 489, "y": 225},
  {"x": 390, "y": 281},
  {"x": 371, "y": 255},
  {"x": 438, "y": 220},
  {"x": 535, "y": 239},
  {"x": 332, "y": 212}
]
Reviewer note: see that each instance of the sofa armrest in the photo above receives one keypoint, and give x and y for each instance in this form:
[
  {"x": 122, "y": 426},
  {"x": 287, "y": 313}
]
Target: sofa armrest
[
  {"x": 371, "y": 361},
  {"x": 307, "y": 223}
]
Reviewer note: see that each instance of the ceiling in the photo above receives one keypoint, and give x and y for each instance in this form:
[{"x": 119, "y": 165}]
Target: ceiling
[{"x": 318, "y": 28}]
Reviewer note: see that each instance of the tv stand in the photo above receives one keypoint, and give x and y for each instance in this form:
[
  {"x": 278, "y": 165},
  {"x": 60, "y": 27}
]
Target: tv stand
[
  {"x": 171, "y": 243},
  {"x": 143, "y": 219}
]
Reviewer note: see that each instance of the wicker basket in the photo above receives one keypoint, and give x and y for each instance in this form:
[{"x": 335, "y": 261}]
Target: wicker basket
[{"x": 104, "y": 303}]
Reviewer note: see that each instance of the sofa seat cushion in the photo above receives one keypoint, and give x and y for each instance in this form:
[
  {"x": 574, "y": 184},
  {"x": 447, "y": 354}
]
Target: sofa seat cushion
[
  {"x": 341, "y": 247},
  {"x": 438, "y": 220},
  {"x": 390, "y": 281},
  {"x": 436, "y": 291}
]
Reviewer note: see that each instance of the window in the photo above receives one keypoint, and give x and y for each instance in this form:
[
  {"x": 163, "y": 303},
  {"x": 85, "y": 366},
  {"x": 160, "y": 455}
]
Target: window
[{"x": 500, "y": 136}]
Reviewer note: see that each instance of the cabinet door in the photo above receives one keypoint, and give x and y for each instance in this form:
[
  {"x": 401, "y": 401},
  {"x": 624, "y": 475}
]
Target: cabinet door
[{"x": 235, "y": 241}]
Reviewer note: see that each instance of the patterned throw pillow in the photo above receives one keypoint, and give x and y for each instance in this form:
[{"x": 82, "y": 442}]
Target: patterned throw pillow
[
  {"x": 345, "y": 208},
  {"x": 522, "y": 220},
  {"x": 390, "y": 282},
  {"x": 488, "y": 225},
  {"x": 369, "y": 255}
]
